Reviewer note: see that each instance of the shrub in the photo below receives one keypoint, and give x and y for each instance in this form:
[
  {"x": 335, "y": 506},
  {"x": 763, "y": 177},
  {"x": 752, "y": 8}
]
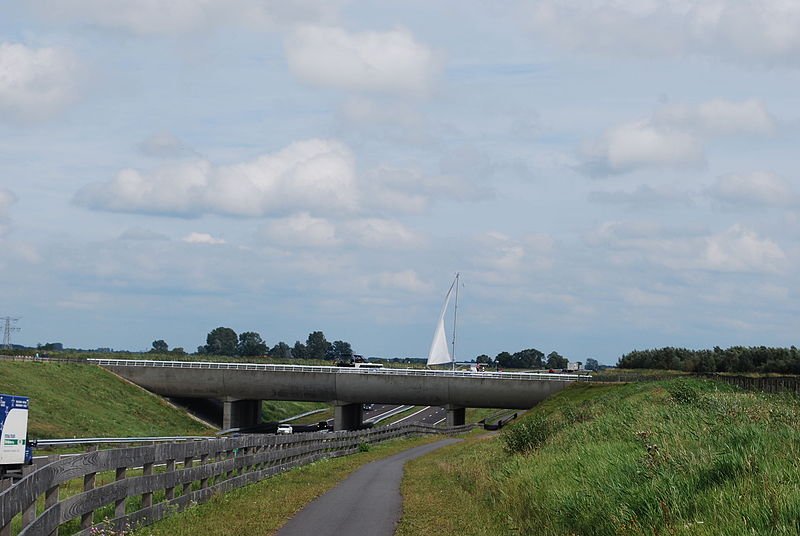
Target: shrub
[{"x": 527, "y": 435}]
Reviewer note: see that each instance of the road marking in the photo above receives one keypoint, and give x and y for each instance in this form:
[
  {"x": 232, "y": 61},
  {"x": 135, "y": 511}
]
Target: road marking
[
  {"x": 439, "y": 422},
  {"x": 413, "y": 414}
]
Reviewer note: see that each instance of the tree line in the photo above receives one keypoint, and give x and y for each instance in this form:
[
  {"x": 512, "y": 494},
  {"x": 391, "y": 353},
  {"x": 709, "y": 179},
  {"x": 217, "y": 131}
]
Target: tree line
[
  {"x": 224, "y": 341},
  {"x": 532, "y": 358},
  {"x": 733, "y": 359}
]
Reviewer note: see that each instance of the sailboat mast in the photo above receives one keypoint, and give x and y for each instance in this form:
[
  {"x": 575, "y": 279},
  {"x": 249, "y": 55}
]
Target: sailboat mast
[{"x": 455, "y": 317}]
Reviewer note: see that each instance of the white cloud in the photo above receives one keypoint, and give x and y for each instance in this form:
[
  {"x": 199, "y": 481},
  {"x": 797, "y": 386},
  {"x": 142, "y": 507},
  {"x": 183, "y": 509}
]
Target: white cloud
[
  {"x": 379, "y": 234},
  {"x": 759, "y": 188},
  {"x": 35, "y": 83},
  {"x": 406, "y": 280},
  {"x": 719, "y": 117},
  {"x": 674, "y": 136},
  {"x": 312, "y": 175},
  {"x": 202, "y": 238},
  {"x": 385, "y": 62},
  {"x": 748, "y": 31},
  {"x": 640, "y": 144},
  {"x": 508, "y": 260},
  {"x": 736, "y": 249},
  {"x": 741, "y": 250},
  {"x": 169, "y": 17},
  {"x": 301, "y": 230}
]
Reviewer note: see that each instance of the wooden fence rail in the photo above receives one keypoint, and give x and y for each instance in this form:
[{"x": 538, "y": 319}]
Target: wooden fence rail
[{"x": 184, "y": 473}]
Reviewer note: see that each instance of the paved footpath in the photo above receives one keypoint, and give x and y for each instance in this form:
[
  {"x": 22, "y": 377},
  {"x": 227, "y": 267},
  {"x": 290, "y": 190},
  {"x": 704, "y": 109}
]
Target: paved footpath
[{"x": 367, "y": 503}]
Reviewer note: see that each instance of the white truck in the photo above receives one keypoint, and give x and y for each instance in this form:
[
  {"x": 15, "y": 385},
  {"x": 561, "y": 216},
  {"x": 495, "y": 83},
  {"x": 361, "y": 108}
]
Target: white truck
[{"x": 15, "y": 451}]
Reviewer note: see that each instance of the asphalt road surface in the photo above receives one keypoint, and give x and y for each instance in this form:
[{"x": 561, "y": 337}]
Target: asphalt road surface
[{"x": 367, "y": 503}]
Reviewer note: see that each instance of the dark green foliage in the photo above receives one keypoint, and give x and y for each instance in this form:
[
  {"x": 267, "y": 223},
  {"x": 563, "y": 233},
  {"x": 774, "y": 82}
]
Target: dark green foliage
[
  {"x": 556, "y": 361},
  {"x": 281, "y": 351},
  {"x": 299, "y": 351},
  {"x": 221, "y": 341},
  {"x": 592, "y": 364},
  {"x": 251, "y": 344},
  {"x": 317, "y": 346},
  {"x": 363, "y": 447},
  {"x": 160, "y": 347},
  {"x": 683, "y": 392},
  {"x": 341, "y": 351},
  {"x": 530, "y": 358},
  {"x": 483, "y": 358},
  {"x": 733, "y": 359}
]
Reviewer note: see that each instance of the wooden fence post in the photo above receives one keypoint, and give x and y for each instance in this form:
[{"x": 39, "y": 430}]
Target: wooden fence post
[
  {"x": 169, "y": 493},
  {"x": 88, "y": 485},
  {"x": 147, "y": 498},
  {"x": 119, "y": 504}
]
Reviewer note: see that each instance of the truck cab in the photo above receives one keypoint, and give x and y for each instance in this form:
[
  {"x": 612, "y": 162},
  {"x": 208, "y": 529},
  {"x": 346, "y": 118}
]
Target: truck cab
[{"x": 15, "y": 450}]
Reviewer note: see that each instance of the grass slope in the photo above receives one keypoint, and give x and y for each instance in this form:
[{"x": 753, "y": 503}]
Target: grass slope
[
  {"x": 69, "y": 400},
  {"x": 674, "y": 457}
]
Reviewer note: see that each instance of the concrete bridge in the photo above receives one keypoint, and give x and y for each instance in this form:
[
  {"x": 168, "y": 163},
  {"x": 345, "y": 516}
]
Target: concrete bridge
[{"x": 242, "y": 387}]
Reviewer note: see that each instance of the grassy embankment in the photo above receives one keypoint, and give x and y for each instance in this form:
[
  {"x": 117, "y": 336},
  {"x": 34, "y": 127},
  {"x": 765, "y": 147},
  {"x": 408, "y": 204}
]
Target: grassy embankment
[
  {"x": 683, "y": 456},
  {"x": 71, "y": 400}
]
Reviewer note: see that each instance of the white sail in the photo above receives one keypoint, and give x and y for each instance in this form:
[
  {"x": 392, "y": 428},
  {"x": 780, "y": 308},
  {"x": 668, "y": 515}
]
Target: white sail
[{"x": 439, "y": 353}]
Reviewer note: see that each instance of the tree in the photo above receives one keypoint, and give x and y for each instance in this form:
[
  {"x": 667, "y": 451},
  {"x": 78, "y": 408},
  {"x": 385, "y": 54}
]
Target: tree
[
  {"x": 592, "y": 364},
  {"x": 299, "y": 351},
  {"x": 317, "y": 346},
  {"x": 281, "y": 351},
  {"x": 483, "y": 358},
  {"x": 504, "y": 360},
  {"x": 178, "y": 350},
  {"x": 159, "y": 347},
  {"x": 221, "y": 341},
  {"x": 251, "y": 344},
  {"x": 342, "y": 351},
  {"x": 556, "y": 361},
  {"x": 530, "y": 359}
]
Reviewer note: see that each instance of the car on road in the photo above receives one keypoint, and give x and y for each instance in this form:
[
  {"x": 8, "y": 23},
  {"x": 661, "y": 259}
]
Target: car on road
[
  {"x": 284, "y": 429},
  {"x": 366, "y": 407}
]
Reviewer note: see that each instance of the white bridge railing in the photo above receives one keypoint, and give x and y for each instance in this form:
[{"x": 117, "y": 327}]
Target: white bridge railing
[{"x": 534, "y": 376}]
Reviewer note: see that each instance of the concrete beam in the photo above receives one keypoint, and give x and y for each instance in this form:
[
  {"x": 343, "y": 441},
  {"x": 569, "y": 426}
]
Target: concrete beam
[
  {"x": 456, "y": 415},
  {"x": 347, "y": 416},
  {"x": 237, "y": 413}
]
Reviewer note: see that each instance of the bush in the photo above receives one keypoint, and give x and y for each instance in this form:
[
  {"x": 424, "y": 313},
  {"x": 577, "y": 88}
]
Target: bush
[
  {"x": 683, "y": 392},
  {"x": 527, "y": 435}
]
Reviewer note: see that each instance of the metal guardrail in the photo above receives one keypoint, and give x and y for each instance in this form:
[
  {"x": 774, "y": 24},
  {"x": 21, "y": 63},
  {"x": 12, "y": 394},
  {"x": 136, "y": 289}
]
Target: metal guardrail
[
  {"x": 534, "y": 376},
  {"x": 67, "y": 442}
]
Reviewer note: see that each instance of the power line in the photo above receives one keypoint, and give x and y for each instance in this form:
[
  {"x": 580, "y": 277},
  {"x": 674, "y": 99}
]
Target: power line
[{"x": 8, "y": 328}]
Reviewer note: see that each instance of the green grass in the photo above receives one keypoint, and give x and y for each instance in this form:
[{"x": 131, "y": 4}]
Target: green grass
[
  {"x": 264, "y": 507},
  {"x": 683, "y": 456},
  {"x": 277, "y": 410},
  {"x": 70, "y": 400}
]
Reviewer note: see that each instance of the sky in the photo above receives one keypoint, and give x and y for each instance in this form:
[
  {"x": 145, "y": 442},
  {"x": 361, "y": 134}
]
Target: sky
[{"x": 606, "y": 175}]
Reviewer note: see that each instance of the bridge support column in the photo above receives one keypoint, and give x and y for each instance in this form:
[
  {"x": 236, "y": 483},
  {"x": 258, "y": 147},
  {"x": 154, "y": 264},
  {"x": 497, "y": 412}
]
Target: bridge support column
[
  {"x": 240, "y": 413},
  {"x": 347, "y": 416},
  {"x": 456, "y": 415}
]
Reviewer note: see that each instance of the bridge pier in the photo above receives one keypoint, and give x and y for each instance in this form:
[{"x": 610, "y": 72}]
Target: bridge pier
[
  {"x": 347, "y": 416},
  {"x": 237, "y": 413},
  {"x": 456, "y": 415}
]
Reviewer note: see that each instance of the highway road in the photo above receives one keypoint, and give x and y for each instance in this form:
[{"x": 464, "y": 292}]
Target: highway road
[
  {"x": 434, "y": 415},
  {"x": 368, "y": 502}
]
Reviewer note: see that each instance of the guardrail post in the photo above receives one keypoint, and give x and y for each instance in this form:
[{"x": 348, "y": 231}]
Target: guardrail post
[
  {"x": 147, "y": 497},
  {"x": 51, "y": 499},
  {"x": 88, "y": 485},
  {"x": 119, "y": 504}
]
